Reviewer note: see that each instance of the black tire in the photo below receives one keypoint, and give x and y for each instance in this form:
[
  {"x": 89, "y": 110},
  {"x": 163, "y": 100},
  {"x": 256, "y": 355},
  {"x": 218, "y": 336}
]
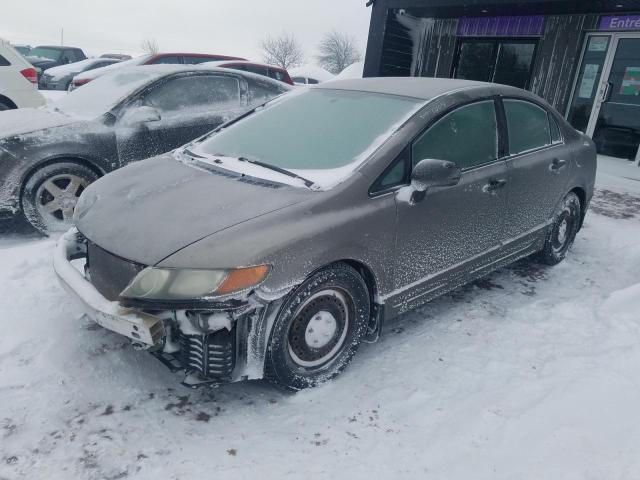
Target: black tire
[
  {"x": 4, "y": 106},
  {"x": 562, "y": 232},
  {"x": 35, "y": 196},
  {"x": 336, "y": 295}
]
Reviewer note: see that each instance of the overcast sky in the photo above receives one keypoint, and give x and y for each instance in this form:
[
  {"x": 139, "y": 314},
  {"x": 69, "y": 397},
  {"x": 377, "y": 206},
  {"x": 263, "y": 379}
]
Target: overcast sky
[{"x": 233, "y": 27}]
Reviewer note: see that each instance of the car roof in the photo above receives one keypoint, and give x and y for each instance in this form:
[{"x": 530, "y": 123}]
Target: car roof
[
  {"x": 201, "y": 55},
  {"x": 416, "y": 87},
  {"x": 57, "y": 47},
  {"x": 159, "y": 71},
  {"x": 222, "y": 63}
]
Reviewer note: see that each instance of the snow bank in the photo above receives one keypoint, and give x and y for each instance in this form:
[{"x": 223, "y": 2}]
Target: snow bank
[
  {"x": 532, "y": 373},
  {"x": 355, "y": 70},
  {"x": 625, "y": 302}
]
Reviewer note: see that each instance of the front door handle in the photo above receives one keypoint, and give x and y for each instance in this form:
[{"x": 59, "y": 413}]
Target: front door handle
[
  {"x": 557, "y": 165},
  {"x": 494, "y": 185}
]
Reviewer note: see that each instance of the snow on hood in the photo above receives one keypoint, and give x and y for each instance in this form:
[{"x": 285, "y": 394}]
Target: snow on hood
[
  {"x": 150, "y": 209},
  {"x": 97, "y": 72},
  {"x": 70, "y": 68},
  {"x": 27, "y": 120}
]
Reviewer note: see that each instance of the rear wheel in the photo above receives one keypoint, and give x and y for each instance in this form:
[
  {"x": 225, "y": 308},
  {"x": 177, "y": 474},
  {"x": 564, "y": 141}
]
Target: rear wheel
[
  {"x": 50, "y": 195},
  {"x": 562, "y": 233},
  {"x": 318, "y": 329},
  {"x": 4, "y": 106}
]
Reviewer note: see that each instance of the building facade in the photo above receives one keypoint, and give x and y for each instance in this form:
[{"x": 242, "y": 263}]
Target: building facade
[{"x": 582, "y": 56}]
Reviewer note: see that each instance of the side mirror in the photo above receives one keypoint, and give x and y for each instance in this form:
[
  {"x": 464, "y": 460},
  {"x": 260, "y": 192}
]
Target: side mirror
[
  {"x": 138, "y": 115},
  {"x": 434, "y": 173}
]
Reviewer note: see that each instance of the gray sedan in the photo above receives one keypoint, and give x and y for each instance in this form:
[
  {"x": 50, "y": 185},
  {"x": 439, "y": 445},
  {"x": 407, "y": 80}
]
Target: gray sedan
[{"x": 275, "y": 245}]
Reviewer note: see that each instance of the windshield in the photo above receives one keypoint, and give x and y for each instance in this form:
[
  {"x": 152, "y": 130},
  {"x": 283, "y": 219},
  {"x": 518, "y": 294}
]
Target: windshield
[
  {"x": 102, "y": 94},
  {"x": 44, "y": 52},
  {"x": 23, "y": 50},
  {"x": 315, "y": 130}
]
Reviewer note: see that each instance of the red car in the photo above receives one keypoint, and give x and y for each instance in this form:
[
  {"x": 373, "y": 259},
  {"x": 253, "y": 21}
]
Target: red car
[
  {"x": 151, "y": 59},
  {"x": 270, "y": 71}
]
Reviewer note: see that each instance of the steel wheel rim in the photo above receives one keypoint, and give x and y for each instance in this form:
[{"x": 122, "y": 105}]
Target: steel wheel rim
[
  {"x": 325, "y": 321},
  {"x": 56, "y": 198},
  {"x": 562, "y": 233}
]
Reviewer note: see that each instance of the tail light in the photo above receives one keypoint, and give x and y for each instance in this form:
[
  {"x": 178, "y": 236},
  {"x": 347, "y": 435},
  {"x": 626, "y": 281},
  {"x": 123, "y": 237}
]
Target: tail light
[
  {"x": 31, "y": 75},
  {"x": 80, "y": 82}
]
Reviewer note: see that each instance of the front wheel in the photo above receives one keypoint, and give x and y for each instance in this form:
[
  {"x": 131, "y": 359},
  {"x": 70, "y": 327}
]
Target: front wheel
[
  {"x": 51, "y": 193},
  {"x": 562, "y": 232},
  {"x": 318, "y": 329}
]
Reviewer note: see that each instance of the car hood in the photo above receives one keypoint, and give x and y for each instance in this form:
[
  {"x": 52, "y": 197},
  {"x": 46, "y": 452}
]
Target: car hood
[
  {"x": 153, "y": 208},
  {"x": 27, "y": 120}
]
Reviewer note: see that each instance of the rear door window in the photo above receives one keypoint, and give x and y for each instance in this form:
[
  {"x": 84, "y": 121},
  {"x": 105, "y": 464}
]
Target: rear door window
[
  {"x": 528, "y": 126},
  {"x": 276, "y": 74},
  {"x": 468, "y": 136},
  {"x": 4, "y": 62},
  {"x": 556, "y": 137},
  {"x": 256, "y": 69},
  {"x": 196, "y": 60},
  {"x": 172, "y": 60},
  {"x": 194, "y": 92},
  {"x": 262, "y": 91}
]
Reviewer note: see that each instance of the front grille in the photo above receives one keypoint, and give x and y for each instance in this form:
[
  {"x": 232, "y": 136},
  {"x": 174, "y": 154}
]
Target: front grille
[
  {"x": 211, "y": 355},
  {"x": 109, "y": 273}
]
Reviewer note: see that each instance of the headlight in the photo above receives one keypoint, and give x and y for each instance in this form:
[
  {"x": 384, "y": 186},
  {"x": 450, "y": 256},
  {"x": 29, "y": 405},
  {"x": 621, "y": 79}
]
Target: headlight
[{"x": 183, "y": 284}]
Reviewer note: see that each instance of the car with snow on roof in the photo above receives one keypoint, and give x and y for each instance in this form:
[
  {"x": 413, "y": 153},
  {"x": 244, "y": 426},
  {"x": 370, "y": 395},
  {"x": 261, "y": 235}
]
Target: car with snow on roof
[{"x": 48, "y": 156}]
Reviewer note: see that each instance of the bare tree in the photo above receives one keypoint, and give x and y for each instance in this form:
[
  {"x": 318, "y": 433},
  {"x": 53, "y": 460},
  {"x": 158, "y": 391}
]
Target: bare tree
[
  {"x": 337, "y": 52},
  {"x": 284, "y": 51},
  {"x": 150, "y": 45}
]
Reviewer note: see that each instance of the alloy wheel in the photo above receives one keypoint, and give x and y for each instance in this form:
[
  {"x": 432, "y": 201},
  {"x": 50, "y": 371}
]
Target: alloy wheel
[{"x": 57, "y": 197}]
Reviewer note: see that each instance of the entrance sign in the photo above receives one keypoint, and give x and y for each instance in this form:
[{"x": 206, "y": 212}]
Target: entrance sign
[{"x": 619, "y": 22}]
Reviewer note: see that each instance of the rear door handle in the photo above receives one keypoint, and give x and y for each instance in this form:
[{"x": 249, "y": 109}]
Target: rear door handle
[
  {"x": 557, "y": 165},
  {"x": 494, "y": 185}
]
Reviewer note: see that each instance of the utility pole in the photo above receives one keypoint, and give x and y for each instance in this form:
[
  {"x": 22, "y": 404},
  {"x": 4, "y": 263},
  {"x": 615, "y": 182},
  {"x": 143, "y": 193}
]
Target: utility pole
[{"x": 62, "y": 36}]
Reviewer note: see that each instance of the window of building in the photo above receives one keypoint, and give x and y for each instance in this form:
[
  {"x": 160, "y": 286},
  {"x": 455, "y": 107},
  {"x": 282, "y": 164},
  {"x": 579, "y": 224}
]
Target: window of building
[
  {"x": 500, "y": 60},
  {"x": 468, "y": 136}
]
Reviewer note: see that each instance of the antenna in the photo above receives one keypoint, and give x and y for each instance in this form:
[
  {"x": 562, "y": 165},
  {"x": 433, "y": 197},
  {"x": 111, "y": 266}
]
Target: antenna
[{"x": 61, "y": 36}]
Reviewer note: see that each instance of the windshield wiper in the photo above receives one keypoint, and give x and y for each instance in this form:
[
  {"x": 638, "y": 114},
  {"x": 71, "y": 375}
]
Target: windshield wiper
[{"x": 307, "y": 182}]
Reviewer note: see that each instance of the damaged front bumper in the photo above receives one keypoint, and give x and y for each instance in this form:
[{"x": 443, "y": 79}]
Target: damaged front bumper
[
  {"x": 225, "y": 352},
  {"x": 139, "y": 326}
]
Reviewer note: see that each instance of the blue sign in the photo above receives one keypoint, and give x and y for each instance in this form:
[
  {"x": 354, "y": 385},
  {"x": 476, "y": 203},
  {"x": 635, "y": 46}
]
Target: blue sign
[{"x": 619, "y": 22}]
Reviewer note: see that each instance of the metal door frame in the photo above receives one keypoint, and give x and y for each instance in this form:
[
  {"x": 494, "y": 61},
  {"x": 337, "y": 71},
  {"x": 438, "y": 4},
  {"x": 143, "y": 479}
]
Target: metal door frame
[{"x": 603, "y": 87}]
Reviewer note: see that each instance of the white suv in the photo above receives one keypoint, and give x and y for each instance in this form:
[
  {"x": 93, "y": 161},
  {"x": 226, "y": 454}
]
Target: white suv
[{"x": 18, "y": 80}]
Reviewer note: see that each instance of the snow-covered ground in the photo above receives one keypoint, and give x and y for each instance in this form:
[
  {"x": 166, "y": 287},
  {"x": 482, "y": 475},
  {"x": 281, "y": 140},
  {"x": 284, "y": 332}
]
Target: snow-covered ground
[{"x": 531, "y": 373}]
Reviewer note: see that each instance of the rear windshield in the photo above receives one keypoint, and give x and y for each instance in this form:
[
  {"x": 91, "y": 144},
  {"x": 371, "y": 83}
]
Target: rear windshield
[
  {"x": 44, "y": 52},
  {"x": 314, "y": 130}
]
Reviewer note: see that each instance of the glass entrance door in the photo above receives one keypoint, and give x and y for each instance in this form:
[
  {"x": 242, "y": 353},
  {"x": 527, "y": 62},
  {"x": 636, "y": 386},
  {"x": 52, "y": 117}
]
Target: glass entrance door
[
  {"x": 617, "y": 126},
  {"x": 606, "y": 98}
]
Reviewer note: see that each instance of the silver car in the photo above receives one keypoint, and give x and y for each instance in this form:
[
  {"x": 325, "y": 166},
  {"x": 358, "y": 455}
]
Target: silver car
[{"x": 273, "y": 246}]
